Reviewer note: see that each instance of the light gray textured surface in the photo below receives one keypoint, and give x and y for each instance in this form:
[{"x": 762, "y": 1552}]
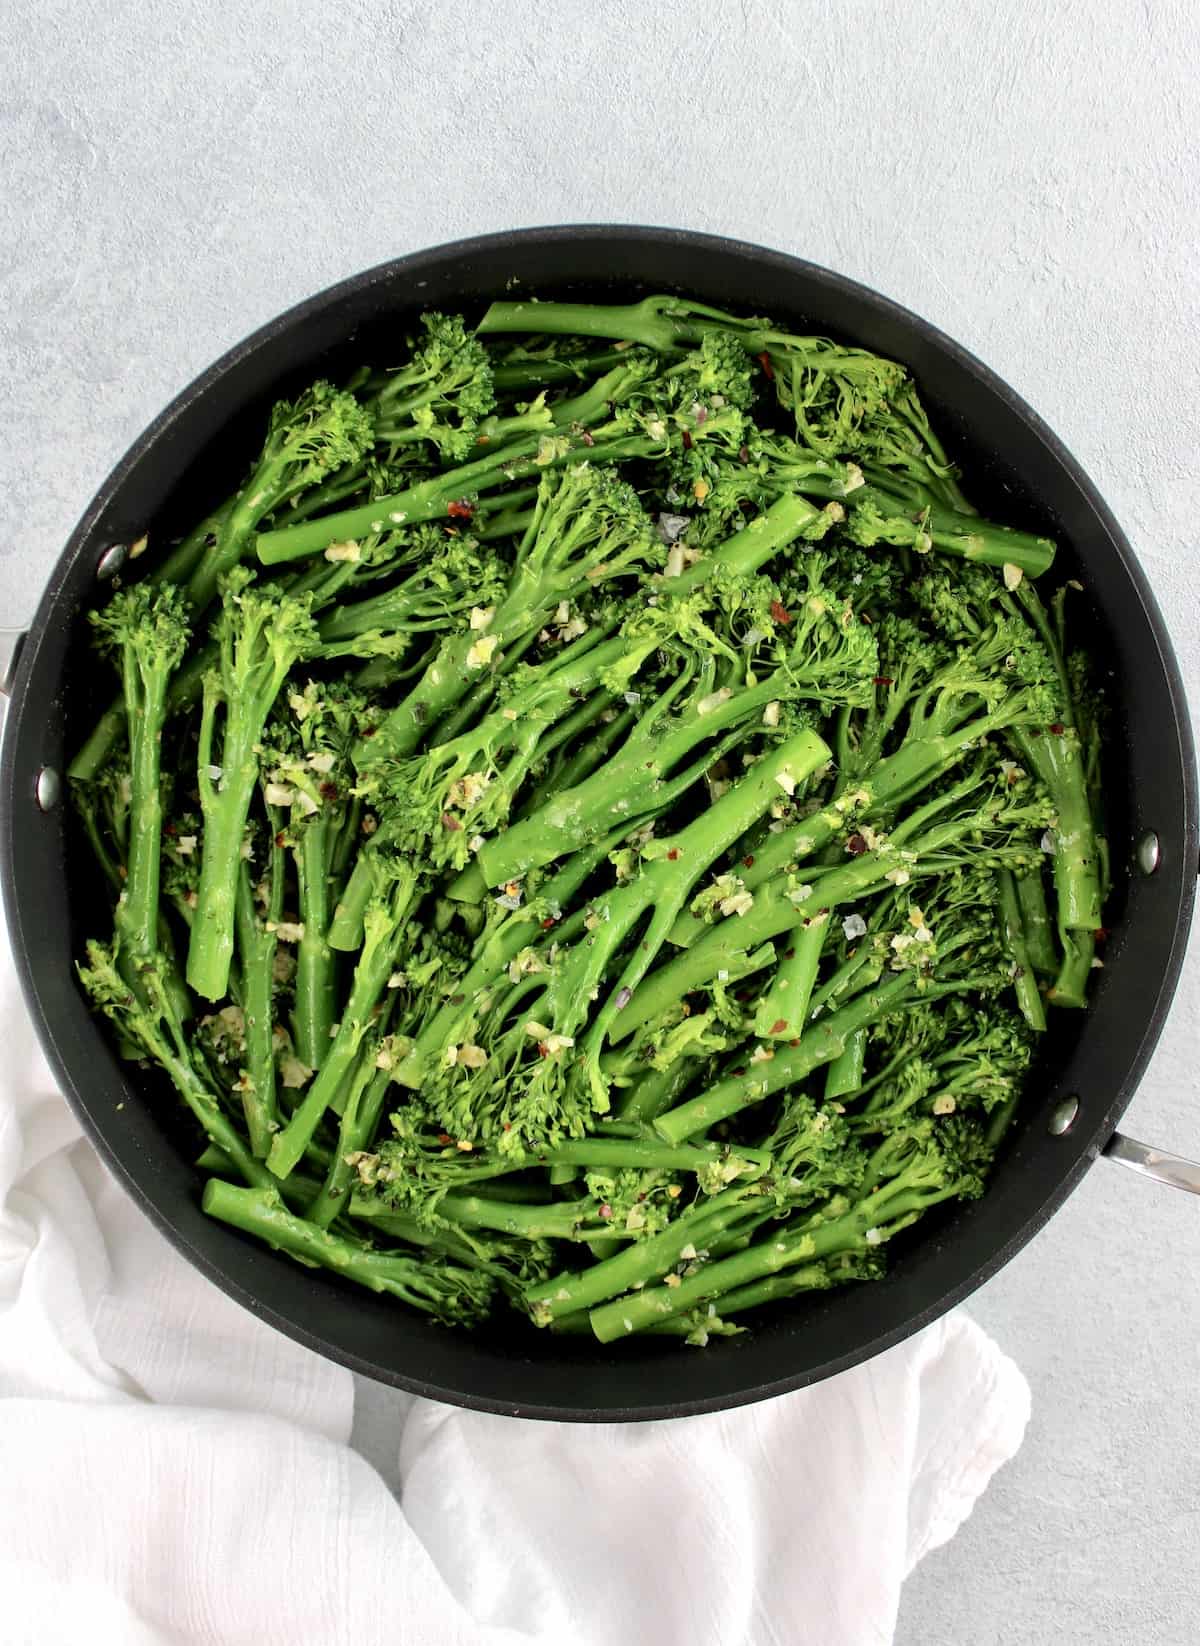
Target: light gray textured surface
[{"x": 1025, "y": 177}]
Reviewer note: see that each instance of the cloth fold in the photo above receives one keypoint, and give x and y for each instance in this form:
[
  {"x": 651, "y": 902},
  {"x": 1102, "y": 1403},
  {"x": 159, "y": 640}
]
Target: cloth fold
[{"x": 175, "y": 1473}]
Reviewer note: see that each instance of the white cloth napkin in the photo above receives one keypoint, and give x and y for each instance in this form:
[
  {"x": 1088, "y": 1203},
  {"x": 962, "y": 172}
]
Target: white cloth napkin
[{"x": 173, "y": 1472}]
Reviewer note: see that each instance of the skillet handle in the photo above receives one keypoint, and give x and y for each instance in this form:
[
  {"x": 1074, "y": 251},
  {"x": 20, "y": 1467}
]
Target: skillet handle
[
  {"x": 11, "y": 641},
  {"x": 1171, "y": 1169}
]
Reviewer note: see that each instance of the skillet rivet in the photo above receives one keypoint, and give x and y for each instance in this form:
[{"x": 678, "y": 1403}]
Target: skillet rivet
[
  {"x": 111, "y": 561},
  {"x": 47, "y": 789},
  {"x": 1148, "y": 852},
  {"x": 1062, "y": 1117}
]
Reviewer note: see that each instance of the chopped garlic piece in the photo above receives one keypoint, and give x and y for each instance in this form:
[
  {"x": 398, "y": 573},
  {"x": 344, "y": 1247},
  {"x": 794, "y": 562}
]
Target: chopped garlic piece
[
  {"x": 854, "y": 926},
  {"x": 349, "y": 551},
  {"x": 713, "y": 701},
  {"x": 480, "y": 653},
  {"x": 1012, "y": 575},
  {"x": 481, "y": 616},
  {"x": 771, "y": 714},
  {"x": 287, "y": 931}
]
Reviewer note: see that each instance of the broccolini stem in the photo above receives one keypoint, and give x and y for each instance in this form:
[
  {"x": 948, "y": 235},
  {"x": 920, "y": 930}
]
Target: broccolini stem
[
  {"x": 657, "y": 1091},
  {"x": 783, "y": 1009},
  {"x": 102, "y": 740},
  {"x": 845, "y": 1074},
  {"x": 663, "y": 888},
  {"x": 813, "y": 1277},
  {"x": 429, "y": 499},
  {"x": 225, "y": 810},
  {"x": 783, "y": 1249},
  {"x": 1013, "y": 934},
  {"x": 545, "y": 1220},
  {"x": 137, "y": 913},
  {"x": 359, "y": 1120},
  {"x": 662, "y": 323},
  {"x": 820, "y": 1044},
  {"x": 1074, "y": 974},
  {"x": 261, "y": 1212},
  {"x": 646, "y": 1153},
  {"x": 901, "y": 776},
  {"x": 642, "y": 776},
  {"x": 383, "y": 934},
  {"x": 1056, "y": 758},
  {"x": 645, "y": 1260},
  {"x": 540, "y": 374},
  {"x": 316, "y": 982},
  {"x": 1035, "y": 919},
  {"x": 492, "y": 957},
  {"x": 256, "y": 951}
]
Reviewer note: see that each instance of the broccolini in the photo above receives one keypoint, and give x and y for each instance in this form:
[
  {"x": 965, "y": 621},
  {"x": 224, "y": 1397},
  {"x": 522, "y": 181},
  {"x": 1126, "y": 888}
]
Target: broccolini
[{"x": 598, "y": 823}]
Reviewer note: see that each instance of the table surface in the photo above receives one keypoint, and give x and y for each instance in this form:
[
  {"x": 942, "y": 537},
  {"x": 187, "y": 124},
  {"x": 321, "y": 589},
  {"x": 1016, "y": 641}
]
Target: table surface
[{"x": 1025, "y": 177}]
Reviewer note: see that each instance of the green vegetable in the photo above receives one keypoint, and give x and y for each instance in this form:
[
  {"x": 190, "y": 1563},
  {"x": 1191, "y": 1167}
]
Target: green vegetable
[{"x": 627, "y": 817}]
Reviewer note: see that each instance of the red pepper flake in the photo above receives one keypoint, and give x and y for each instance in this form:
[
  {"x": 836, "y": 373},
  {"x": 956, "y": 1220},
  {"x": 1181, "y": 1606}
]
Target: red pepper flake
[
  {"x": 444, "y": 1138},
  {"x": 780, "y": 612},
  {"x": 508, "y": 1125},
  {"x": 793, "y": 1042},
  {"x": 779, "y": 1025},
  {"x": 169, "y": 828},
  {"x": 789, "y": 953},
  {"x": 449, "y": 821},
  {"x": 606, "y": 1210},
  {"x": 1035, "y": 731},
  {"x": 673, "y": 855},
  {"x": 588, "y": 438},
  {"x": 687, "y": 441},
  {"x": 368, "y": 731},
  {"x": 281, "y": 840},
  {"x": 739, "y": 1071},
  {"x": 764, "y": 360},
  {"x": 748, "y": 862},
  {"x": 743, "y": 454},
  {"x": 459, "y": 510},
  {"x": 882, "y": 680},
  {"x": 328, "y": 791},
  {"x": 1057, "y": 729},
  {"x": 1101, "y": 934},
  {"x": 856, "y": 845},
  {"x": 548, "y": 922}
]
